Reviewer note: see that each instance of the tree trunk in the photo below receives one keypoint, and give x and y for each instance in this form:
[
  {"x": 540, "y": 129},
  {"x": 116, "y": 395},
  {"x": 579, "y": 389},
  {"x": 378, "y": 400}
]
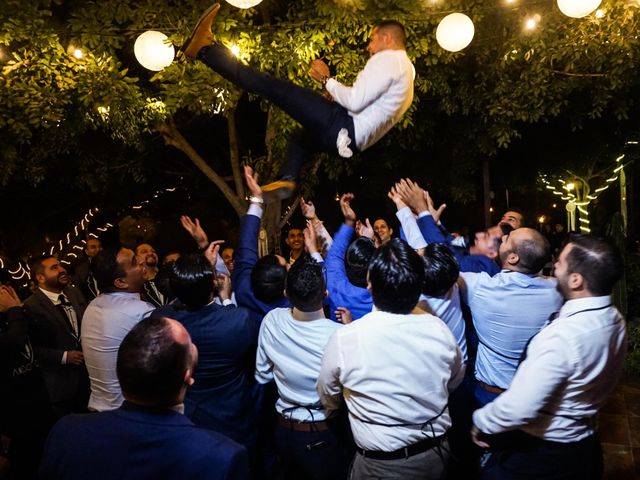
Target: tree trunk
[
  {"x": 174, "y": 138},
  {"x": 486, "y": 184}
]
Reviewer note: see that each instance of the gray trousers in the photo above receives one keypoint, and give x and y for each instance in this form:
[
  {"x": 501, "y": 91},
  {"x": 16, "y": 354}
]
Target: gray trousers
[{"x": 423, "y": 466}]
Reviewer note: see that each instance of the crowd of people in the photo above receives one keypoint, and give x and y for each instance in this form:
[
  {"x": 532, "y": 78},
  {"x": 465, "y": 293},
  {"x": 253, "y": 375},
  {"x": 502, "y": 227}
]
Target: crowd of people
[{"x": 361, "y": 355}]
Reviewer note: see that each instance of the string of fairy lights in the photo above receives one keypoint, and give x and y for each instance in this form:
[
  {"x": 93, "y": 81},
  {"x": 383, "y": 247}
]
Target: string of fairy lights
[
  {"x": 565, "y": 190},
  {"x": 71, "y": 245}
]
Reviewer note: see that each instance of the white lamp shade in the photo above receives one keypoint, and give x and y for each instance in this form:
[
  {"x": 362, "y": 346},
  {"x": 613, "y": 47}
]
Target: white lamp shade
[
  {"x": 578, "y": 8},
  {"x": 455, "y": 32},
  {"x": 244, "y": 3},
  {"x": 152, "y": 50}
]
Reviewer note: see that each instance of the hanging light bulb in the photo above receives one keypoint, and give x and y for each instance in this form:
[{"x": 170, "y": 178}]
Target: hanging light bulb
[
  {"x": 578, "y": 8},
  {"x": 244, "y": 3},
  {"x": 152, "y": 50},
  {"x": 455, "y": 32}
]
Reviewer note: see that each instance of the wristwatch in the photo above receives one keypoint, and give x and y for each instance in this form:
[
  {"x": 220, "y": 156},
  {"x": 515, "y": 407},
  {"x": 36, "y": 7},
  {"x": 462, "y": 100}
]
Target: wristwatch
[{"x": 254, "y": 199}]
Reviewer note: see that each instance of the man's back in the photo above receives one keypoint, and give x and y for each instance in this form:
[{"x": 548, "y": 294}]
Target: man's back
[
  {"x": 394, "y": 369},
  {"x": 508, "y": 309},
  {"x": 136, "y": 443},
  {"x": 107, "y": 320}
]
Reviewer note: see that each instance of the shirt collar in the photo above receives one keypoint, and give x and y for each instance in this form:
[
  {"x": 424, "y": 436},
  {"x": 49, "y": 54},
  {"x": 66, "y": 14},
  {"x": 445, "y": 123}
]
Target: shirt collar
[
  {"x": 572, "y": 306},
  {"x": 306, "y": 316},
  {"x": 54, "y": 297}
]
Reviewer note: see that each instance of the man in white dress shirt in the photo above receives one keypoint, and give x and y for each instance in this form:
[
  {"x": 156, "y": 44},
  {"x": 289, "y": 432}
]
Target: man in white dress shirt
[
  {"x": 358, "y": 116},
  {"x": 570, "y": 369},
  {"x": 290, "y": 348},
  {"x": 394, "y": 370},
  {"x": 108, "y": 319}
]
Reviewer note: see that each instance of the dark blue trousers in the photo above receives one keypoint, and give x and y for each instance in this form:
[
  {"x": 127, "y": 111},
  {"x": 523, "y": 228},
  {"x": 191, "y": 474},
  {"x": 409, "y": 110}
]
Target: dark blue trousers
[
  {"x": 320, "y": 118},
  {"x": 524, "y": 457}
]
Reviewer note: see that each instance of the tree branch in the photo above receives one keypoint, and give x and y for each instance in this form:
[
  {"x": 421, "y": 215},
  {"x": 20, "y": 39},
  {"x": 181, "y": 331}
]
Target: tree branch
[
  {"x": 571, "y": 74},
  {"x": 174, "y": 138}
]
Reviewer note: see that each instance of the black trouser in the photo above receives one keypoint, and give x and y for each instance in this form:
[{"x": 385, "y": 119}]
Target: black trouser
[
  {"x": 320, "y": 118},
  {"x": 525, "y": 457}
]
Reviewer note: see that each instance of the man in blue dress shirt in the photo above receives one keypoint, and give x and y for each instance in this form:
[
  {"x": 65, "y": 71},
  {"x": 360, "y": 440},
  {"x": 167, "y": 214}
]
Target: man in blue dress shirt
[
  {"x": 547, "y": 417},
  {"x": 509, "y": 308}
]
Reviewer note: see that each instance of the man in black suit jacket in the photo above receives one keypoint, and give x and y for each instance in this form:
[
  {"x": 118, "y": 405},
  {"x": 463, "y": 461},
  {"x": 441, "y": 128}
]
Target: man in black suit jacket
[
  {"x": 55, "y": 316},
  {"x": 146, "y": 437}
]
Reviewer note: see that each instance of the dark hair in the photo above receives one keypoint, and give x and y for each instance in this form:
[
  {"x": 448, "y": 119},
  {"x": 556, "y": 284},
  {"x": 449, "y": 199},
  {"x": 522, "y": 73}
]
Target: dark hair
[
  {"x": 163, "y": 281},
  {"x": 305, "y": 285},
  {"x": 356, "y": 260},
  {"x": 395, "y": 28},
  {"x": 191, "y": 280},
  {"x": 505, "y": 229},
  {"x": 441, "y": 270},
  {"x": 35, "y": 265},
  {"x": 267, "y": 279},
  {"x": 151, "y": 363},
  {"x": 106, "y": 270},
  {"x": 523, "y": 222},
  {"x": 396, "y": 274},
  {"x": 597, "y": 260},
  {"x": 534, "y": 252}
]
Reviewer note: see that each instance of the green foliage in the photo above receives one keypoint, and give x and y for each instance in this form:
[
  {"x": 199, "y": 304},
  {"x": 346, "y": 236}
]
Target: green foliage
[{"x": 51, "y": 102}]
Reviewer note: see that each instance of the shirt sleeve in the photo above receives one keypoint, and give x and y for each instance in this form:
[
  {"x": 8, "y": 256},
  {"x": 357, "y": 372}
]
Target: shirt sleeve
[
  {"x": 467, "y": 282},
  {"x": 264, "y": 366},
  {"x": 328, "y": 386},
  {"x": 410, "y": 228},
  {"x": 548, "y": 364},
  {"x": 371, "y": 83}
]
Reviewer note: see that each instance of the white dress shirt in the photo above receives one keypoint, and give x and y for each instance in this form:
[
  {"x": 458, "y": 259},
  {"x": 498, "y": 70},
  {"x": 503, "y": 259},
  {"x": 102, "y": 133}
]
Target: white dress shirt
[
  {"x": 290, "y": 351},
  {"x": 69, "y": 311},
  {"x": 448, "y": 309},
  {"x": 571, "y": 368},
  {"x": 381, "y": 94},
  {"x": 508, "y": 309},
  {"x": 107, "y": 320},
  {"x": 395, "y": 373}
]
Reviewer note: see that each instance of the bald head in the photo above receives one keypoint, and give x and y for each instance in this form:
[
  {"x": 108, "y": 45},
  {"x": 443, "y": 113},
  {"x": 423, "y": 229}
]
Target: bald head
[
  {"x": 524, "y": 250},
  {"x": 155, "y": 362}
]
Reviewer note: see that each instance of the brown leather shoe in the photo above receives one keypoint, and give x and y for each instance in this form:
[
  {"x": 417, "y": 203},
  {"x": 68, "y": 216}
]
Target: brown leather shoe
[
  {"x": 278, "y": 190},
  {"x": 201, "y": 35}
]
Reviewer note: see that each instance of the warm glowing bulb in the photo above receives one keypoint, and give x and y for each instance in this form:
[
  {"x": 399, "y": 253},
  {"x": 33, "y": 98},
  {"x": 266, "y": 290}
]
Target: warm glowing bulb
[
  {"x": 235, "y": 49},
  {"x": 455, "y": 32},
  {"x": 599, "y": 13},
  {"x": 554, "y": 205},
  {"x": 153, "y": 50},
  {"x": 541, "y": 218},
  {"x": 78, "y": 53},
  {"x": 570, "y": 186},
  {"x": 531, "y": 24}
]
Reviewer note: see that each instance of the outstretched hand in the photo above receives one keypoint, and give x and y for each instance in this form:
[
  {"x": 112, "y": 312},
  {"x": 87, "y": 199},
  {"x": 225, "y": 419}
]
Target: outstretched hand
[
  {"x": 436, "y": 213},
  {"x": 212, "y": 253},
  {"x": 8, "y": 298},
  {"x": 308, "y": 209},
  {"x": 412, "y": 195},
  {"x": 319, "y": 71},
  {"x": 347, "y": 211},
  {"x": 195, "y": 230},
  {"x": 365, "y": 229},
  {"x": 395, "y": 197},
  {"x": 310, "y": 238},
  {"x": 343, "y": 315},
  {"x": 251, "y": 179}
]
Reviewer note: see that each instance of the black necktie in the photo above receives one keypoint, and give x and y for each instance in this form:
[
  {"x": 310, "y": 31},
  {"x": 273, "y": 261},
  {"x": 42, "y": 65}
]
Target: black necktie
[{"x": 64, "y": 307}]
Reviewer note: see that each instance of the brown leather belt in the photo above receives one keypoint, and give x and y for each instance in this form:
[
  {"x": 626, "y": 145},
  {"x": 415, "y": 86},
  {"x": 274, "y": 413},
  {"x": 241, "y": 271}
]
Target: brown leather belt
[
  {"x": 490, "y": 388},
  {"x": 302, "y": 426}
]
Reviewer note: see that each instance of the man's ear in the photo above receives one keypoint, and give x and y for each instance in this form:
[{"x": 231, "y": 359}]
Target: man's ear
[
  {"x": 576, "y": 281},
  {"x": 390, "y": 232},
  {"x": 512, "y": 259},
  {"x": 120, "y": 283}
]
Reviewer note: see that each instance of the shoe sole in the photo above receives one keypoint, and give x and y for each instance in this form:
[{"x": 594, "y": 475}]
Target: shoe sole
[
  {"x": 278, "y": 191},
  {"x": 203, "y": 17}
]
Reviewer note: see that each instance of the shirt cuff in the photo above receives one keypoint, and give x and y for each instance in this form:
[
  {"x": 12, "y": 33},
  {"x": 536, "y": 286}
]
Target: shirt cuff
[
  {"x": 255, "y": 210},
  {"x": 317, "y": 257},
  {"x": 330, "y": 84},
  {"x": 424, "y": 214},
  {"x": 64, "y": 359}
]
